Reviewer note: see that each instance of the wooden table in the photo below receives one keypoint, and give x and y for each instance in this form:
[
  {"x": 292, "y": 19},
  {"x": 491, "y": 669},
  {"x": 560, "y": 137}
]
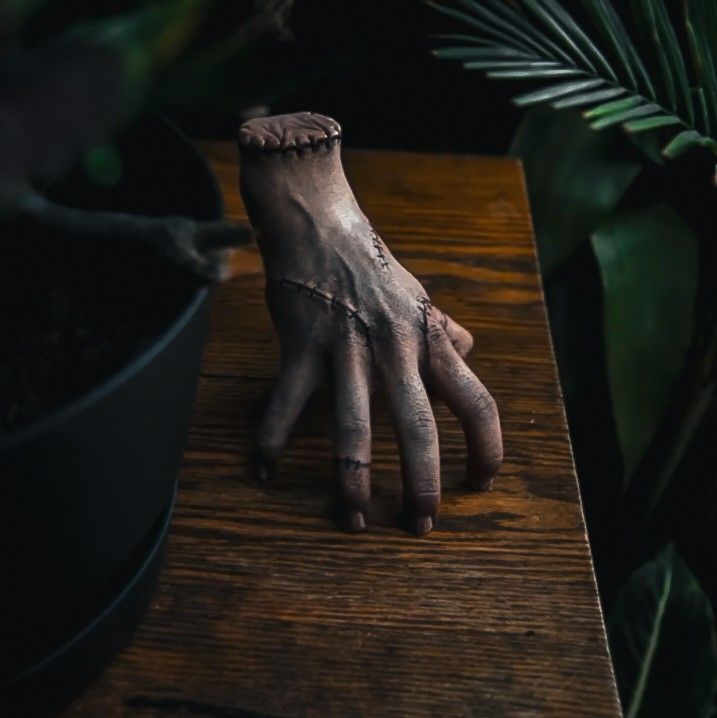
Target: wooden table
[{"x": 265, "y": 609}]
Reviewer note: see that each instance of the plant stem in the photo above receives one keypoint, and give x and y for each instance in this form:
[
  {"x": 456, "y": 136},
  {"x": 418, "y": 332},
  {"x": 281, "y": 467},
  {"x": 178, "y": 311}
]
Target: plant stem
[{"x": 200, "y": 246}]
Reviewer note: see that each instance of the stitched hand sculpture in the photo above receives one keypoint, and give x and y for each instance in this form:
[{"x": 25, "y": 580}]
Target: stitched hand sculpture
[{"x": 341, "y": 302}]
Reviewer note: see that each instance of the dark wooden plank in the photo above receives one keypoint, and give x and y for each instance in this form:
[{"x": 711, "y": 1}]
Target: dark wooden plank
[{"x": 264, "y": 607}]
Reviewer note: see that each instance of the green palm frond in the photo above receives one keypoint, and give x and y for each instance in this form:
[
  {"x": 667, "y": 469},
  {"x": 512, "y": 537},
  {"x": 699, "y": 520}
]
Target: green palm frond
[{"x": 641, "y": 83}]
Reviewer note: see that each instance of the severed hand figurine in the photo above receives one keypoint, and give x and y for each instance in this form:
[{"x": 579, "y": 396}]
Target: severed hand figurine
[{"x": 342, "y": 304}]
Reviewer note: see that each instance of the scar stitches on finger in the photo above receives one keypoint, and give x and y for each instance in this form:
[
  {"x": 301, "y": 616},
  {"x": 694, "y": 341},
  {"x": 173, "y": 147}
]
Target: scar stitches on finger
[
  {"x": 380, "y": 251},
  {"x": 347, "y": 463},
  {"x": 425, "y": 306}
]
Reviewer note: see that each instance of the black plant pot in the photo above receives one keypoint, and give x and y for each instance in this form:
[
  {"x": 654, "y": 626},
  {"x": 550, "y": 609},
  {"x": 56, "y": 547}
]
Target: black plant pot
[{"x": 86, "y": 492}]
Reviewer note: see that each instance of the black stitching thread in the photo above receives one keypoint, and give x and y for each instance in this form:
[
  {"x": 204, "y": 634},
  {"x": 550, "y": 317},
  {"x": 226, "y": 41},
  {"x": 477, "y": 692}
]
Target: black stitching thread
[
  {"x": 285, "y": 149},
  {"x": 331, "y": 300},
  {"x": 425, "y": 305},
  {"x": 378, "y": 246},
  {"x": 347, "y": 463}
]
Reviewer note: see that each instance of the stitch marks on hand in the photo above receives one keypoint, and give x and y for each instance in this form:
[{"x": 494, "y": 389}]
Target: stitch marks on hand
[
  {"x": 426, "y": 308},
  {"x": 334, "y": 303},
  {"x": 380, "y": 251},
  {"x": 344, "y": 462}
]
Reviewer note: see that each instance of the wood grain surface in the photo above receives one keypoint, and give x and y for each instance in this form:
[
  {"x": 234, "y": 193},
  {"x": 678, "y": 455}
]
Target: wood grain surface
[{"x": 265, "y": 609}]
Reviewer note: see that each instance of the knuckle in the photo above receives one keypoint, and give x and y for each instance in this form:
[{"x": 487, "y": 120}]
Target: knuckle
[
  {"x": 354, "y": 427},
  {"x": 421, "y": 421},
  {"x": 483, "y": 404}
]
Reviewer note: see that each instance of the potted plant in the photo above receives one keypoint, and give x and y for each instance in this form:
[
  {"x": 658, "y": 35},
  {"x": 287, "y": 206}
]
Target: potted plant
[
  {"x": 111, "y": 235},
  {"x": 619, "y": 159}
]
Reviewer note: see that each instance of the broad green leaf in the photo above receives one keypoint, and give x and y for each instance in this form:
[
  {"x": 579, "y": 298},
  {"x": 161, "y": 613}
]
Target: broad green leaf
[
  {"x": 482, "y": 53},
  {"x": 618, "y": 118},
  {"x": 610, "y": 108},
  {"x": 681, "y": 143},
  {"x": 587, "y": 98},
  {"x": 533, "y": 74},
  {"x": 575, "y": 179},
  {"x": 652, "y": 123},
  {"x": 559, "y": 90},
  {"x": 648, "y": 262},
  {"x": 662, "y": 642}
]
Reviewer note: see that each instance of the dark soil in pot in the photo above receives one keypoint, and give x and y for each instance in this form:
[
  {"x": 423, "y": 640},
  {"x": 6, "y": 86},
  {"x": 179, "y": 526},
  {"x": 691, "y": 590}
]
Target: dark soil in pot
[{"x": 73, "y": 311}]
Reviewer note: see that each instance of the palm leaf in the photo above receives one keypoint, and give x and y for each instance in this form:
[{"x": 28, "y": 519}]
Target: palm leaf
[
  {"x": 703, "y": 50},
  {"x": 519, "y": 20},
  {"x": 555, "y": 91},
  {"x": 621, "y": 117},
  {"x": 533, "y": 74},
  {"x": 511, "y": 39},
  {"x": 462, "y": 52},
  {"x": 539, "y": 39},
  {"x": 491, "y": 64},
  {"x": 540, "y": 10},
  {"x": 613, "y": 33},
  {"x": 587, "y": 98},
  {"x": 652, "y": 123},
  {"x": 513, "y": 24},
  {"x": 681, "y": 143},
  {"x": 610, "y": 108},
  {"x": 644, "y": 11}
]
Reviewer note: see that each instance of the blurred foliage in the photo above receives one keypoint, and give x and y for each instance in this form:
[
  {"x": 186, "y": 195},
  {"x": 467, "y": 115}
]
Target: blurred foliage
[
  {"x": 626, "y": 243},
  {"x": 588, "y": 177},
  {"x": 661, "y": 616},
  {"x": 74, "y": 74},
  {"x": 649, "y": 266}
]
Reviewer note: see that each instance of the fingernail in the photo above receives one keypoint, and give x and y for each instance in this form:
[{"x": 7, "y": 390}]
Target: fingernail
[
  {"x": 262, "y": 472},
  {"x": 355, "y": 522},
  {"x": 262, "y": 469},
  {"x": 421, "y": 525}
]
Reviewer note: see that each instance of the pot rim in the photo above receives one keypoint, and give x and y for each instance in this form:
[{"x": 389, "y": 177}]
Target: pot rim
[{"x": 63, "y": 413}]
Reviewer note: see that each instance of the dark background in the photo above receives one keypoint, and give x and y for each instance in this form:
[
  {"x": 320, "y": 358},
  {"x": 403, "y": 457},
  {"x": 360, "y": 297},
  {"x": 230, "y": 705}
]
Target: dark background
[{"x": 368, "y": 64}]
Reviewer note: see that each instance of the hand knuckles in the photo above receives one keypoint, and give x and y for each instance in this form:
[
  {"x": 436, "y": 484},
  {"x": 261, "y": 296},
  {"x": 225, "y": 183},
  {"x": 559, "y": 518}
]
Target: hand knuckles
[
  {"x": 354, "y": 427},
  {"x": 483, "y": 404},
  {"x": 422, "y": 421}
]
